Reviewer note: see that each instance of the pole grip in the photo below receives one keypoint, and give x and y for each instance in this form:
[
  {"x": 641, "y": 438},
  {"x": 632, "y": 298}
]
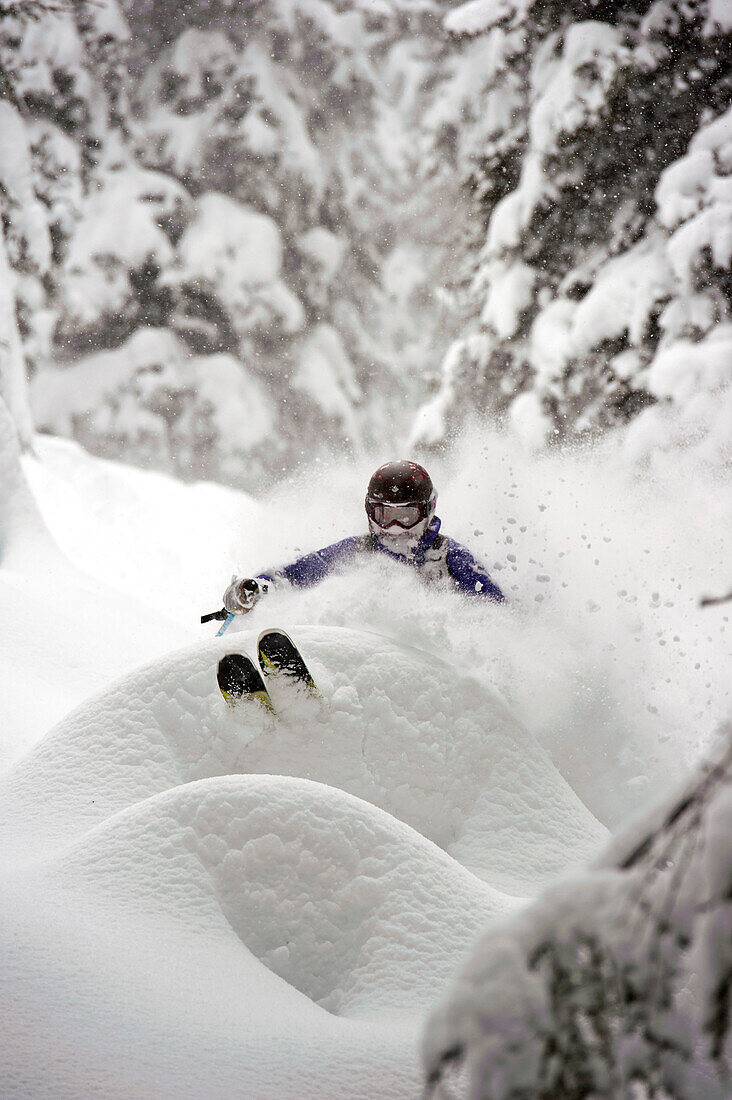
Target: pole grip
[{"x": 221, "y": 615}]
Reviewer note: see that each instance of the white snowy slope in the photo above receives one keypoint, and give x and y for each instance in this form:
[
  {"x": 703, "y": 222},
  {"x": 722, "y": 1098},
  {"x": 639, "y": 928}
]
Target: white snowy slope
[
  {"x": 397, "y": 727},
  {"x": 203, "y": 904},
  {"x": 245, "y": 936},
  {"x": 180, "y": 876},
  {"x": 169, "y": 545},
  {"x": 199, "y": 905},
  {"x": 63, "y": 635}
]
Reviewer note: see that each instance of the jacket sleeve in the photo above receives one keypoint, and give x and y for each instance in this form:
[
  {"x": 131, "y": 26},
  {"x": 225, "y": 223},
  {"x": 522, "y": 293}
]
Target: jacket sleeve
[
  {"x": 312, "y": 568},
  {"x": 469, "y": 576}
]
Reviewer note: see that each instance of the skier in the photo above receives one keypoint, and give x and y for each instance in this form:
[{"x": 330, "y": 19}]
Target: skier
[{"x": 400, "y": 505}]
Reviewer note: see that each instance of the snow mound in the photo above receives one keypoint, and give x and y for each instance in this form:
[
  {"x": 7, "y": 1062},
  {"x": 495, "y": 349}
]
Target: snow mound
[
  {"x": 261, "y": 880},
  {"x": 127, "y": 1000},
  {"x": 468, "y": 777},
  {"x": 347, "y": 905}
]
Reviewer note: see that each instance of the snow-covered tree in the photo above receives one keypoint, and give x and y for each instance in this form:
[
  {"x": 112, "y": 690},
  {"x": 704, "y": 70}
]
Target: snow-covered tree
[
  {"x": 306, "y": 112},
  {"x": 617, "y": 985},
  {"x": 583, "y": 126},
  {"x": 57, "y": 66},
  {"x": 251, "y": 181}
]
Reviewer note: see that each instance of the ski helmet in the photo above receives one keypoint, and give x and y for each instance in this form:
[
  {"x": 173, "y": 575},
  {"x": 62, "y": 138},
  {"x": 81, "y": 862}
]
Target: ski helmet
[{"x": 400, "y": 499}]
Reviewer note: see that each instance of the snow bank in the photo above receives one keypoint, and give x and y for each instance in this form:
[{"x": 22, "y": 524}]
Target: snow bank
[
  {"x": 25, "y": 543},
  {"x": 139, "y": 985},
  {"x": 473, "y": 782},
  {"x": 50, "y": 609},
  {"x": 356, "y": 911},
  {"x": 178, "y": 923},
  {"x": 173, "y": 869},
  {"x": 167, "y": 544}
]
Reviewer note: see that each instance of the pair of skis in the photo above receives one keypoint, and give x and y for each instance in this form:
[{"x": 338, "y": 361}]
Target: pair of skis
[{"x": 241, "y": 682}]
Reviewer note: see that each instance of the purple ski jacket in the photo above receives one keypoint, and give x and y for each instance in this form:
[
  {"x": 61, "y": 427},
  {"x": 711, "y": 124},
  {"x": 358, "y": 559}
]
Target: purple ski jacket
[{"x": 435, "y": 557}]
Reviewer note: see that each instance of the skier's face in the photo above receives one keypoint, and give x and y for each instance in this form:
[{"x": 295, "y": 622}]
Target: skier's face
[{"x": 399, "y": 526}]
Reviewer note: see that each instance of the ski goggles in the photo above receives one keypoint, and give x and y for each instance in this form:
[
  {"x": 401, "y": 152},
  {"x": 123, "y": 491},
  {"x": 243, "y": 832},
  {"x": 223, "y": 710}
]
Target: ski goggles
[{"x": 399, "y": 515}]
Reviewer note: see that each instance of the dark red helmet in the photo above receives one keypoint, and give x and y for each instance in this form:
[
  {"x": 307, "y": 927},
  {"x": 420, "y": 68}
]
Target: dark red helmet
[{"x": 400, "y": 494}]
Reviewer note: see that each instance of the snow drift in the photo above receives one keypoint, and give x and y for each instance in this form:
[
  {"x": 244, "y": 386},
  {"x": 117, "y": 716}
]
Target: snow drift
[
  {"x": 470, "y": 779},
  {"x": 176, "y": 922},
  {"x": 301, "y": 886},
  {"x": 50, "y": 608}
]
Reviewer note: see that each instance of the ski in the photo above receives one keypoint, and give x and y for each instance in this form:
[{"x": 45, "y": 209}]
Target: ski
[
  {"x": 279, "y": 657},
  {"x": 240, "y": 680}
]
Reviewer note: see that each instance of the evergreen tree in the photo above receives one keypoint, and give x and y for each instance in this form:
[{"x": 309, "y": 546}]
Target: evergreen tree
[{"x": 576, "y": 290}]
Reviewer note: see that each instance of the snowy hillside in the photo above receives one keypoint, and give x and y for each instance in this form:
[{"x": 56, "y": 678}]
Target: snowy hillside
[
  {"x": 153, "y": 812},
  {"x": 249, "y": 251},
  {"x": 200, "y": 905},
  {"x": 173, "y": 871}
]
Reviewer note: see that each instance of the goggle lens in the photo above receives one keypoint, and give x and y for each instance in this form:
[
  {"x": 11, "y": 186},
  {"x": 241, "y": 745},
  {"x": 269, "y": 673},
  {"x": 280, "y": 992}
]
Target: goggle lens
[{"x": 401, "y": 515}]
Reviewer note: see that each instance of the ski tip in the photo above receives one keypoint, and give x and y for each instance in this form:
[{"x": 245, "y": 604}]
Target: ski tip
[
  {"x": 273, "y": 631},
  {"x": 232, "y": 674},
  {"x": 239, "y": 679},
  {"x": 280, "y": 657}
]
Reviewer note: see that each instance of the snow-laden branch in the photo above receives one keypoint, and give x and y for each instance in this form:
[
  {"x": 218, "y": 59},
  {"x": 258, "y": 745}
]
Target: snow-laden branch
[{"x": 616, "y": 985}]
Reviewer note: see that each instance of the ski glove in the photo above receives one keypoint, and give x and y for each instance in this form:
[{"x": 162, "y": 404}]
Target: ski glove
[{"x": 242, "y": 594}]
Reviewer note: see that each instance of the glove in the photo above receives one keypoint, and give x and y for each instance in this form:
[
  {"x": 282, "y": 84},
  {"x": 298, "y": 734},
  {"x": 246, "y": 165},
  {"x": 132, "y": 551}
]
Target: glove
[{"x": 242, "y": 594}]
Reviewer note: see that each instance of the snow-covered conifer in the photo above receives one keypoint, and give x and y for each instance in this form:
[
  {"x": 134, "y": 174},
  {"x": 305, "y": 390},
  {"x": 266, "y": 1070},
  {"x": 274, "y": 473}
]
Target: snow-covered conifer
[{"x": 578, "y": 286}]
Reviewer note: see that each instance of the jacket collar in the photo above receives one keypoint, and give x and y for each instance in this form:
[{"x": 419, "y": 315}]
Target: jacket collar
[{"x": 431, "y": 533}]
